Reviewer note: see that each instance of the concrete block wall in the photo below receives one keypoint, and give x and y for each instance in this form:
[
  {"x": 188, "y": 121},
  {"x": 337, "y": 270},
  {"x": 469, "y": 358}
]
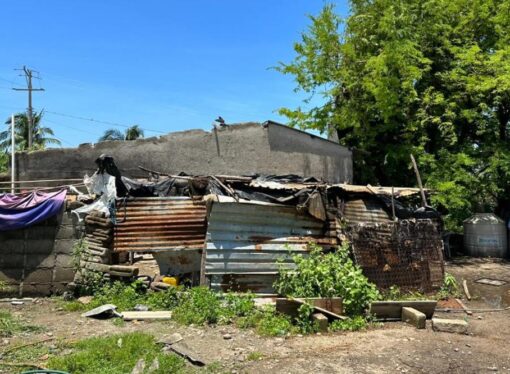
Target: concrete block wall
[{"x": 37, "y": 261}]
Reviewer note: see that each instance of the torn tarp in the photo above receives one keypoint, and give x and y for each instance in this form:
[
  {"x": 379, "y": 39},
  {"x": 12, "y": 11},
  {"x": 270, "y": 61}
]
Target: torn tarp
[{"x": 20, "y": 211}]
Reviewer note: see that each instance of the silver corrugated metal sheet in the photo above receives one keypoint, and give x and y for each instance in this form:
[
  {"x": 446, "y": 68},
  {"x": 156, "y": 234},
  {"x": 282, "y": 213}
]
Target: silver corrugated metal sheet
[
  {"x": 365, "y": 210},
  {"x": 246, "y": 241},
  {"x": 151, "y": 224}
]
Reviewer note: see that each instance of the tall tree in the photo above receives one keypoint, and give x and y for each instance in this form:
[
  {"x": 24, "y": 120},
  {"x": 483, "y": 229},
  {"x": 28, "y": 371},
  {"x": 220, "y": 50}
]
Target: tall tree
[
  {"x": 427, "y": 77},
  {"x": 132, "y": 133},
  {"x": 41, "y": 136}
]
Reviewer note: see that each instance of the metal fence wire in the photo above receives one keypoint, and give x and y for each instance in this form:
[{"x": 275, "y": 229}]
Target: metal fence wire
[{"x": 407, "y": 253}]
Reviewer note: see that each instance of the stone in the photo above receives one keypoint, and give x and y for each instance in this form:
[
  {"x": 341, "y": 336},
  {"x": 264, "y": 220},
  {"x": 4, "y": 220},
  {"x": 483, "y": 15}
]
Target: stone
[
  {"x": 414, "y": 317},
  {"x": 458, "y": 326},
  {"x": 227, "y": 336},
  {"x": 321, "y": 320}
]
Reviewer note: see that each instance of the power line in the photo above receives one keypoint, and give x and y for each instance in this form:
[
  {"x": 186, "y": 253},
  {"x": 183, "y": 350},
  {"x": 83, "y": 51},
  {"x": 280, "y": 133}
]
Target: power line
[
  {"x": 7, "y": 80},
  {"x": 98, "y": 121}
]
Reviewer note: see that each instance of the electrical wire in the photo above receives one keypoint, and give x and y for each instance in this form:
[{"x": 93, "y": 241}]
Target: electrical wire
[{"x": 99, "y": 121}]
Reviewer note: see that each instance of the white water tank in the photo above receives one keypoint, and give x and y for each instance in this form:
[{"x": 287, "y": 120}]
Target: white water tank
[{"x": 485, "y": 236}]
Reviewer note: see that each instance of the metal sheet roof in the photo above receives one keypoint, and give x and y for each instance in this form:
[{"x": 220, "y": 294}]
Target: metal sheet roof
[
  {"x": 246, "y": 243},
  {"x": 152, "y": 224}
]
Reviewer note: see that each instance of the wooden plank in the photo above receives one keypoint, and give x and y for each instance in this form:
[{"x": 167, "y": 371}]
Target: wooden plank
[
  {"x": 466, "y": 289},
  {"x": 393, "y": 309},
  {"x": 149, "y": 315},
  {"x": 290, "y": 306}
]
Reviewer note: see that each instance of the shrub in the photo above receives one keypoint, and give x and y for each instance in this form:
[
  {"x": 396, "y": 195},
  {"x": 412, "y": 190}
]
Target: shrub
[
  {"x": 351, "y": 324},
  {"x": 450, "y": 287},
  {"x": 328, "y": 275},
  {"x": 270, "y": 323},
  {"x": 198, "y": 306}
]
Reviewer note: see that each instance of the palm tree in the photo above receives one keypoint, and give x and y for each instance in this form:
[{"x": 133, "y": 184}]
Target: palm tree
[
  {"x": 132, "y": 133},
  {"x": 111, "y": 134},
  {"x": 41, "y": 136}
]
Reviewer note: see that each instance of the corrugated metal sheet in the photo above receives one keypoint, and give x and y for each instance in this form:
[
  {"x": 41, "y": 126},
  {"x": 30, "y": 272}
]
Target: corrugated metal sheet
[
  {"x": 153, "y": 224},
  {"x": 245, "y": 243},
  {"x": 365, "y": 210}
]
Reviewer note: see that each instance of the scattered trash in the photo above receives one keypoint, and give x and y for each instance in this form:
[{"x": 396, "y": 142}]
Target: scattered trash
[
  {"x": 17, "y": 302},
  {"x": 491, "y": 282},
  {"x": 102, "y": 312}
]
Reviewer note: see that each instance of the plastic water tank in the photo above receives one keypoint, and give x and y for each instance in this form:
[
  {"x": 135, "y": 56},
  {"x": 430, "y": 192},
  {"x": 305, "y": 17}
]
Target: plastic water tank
[{"x": 485, "y": 236}]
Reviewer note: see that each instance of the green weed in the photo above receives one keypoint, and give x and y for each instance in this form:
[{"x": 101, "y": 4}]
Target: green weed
[
  {"x": 254, "y": 356},
  {"x": 198, "y": 306},
  {"x": 351, "y": 324},
  {"x": 10, "y": 325},
  {"x": 116, "y": 354}
]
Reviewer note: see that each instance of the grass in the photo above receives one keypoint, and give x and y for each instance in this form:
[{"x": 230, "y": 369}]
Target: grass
[
  {"x": 10, "y": 325},
  {"x": 254, "y": 356},
  {"x": 116, "y": 354}
]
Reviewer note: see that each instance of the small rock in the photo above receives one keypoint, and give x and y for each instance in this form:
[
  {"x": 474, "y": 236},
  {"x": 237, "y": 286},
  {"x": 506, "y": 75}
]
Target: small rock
[
  {"x": 49, "y": 333},
  {"x": 468, "y": 345},
  {"x": 141, "y": 308},
  {"x": 67, "y": 296},
  {"x": 479, "y": 317},
  {"x": 492, "y": 368},
  {"x": 5, "y": 341},
  {"x": 456, "y": 349},
  {"x": 85, "y": 299},
  {"x": 227, "y": 336}
]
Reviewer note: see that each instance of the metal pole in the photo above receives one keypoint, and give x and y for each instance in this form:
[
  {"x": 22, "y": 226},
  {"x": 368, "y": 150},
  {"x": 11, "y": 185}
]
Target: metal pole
[{"x": 13, "y": 153}]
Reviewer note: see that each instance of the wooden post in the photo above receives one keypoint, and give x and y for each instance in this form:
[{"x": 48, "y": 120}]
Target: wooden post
[{"x": 418, "y": 178}]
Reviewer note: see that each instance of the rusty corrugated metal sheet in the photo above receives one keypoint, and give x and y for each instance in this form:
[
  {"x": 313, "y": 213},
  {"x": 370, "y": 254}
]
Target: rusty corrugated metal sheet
[
  {"x": 365, "y": 210},
  {"x": 245, "y": 243},
  {"x": 399, "y": 191},
  {"x": 151, "y": 224}
]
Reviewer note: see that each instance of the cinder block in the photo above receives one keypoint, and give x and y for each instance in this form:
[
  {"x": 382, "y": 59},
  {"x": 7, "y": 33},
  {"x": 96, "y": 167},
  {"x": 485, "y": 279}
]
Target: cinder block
[
  {"x": 38, "y": 276},
  {"x": 35, "y": 261},
  {"x": 67, "y": 232},
  {"x": 64, "y": 260},
  {"x": 12, "y": 261},
  {"x": 458, "y": 326},
  {"x": 11, "y": 276},
  {"x": 414, "y": 317},
  {"x": 11, "y": 246},
  {"x": 39, "y": 246},
  {"x": 12, "y": 235},
  {"x": 64, "y": 274},
  {"x": 41, "y": 232},
  {"x": 322, "y": 321},
  {"x": 36, "y": 289},
  {"x": 64, "y": 246}
]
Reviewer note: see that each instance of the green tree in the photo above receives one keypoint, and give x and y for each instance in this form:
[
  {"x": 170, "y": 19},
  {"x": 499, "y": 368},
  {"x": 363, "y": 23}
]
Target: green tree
[
  {"x": 431, "y": 78},
  {"x": 132, "y": 133},
  {"x": 41, "y": 136}
]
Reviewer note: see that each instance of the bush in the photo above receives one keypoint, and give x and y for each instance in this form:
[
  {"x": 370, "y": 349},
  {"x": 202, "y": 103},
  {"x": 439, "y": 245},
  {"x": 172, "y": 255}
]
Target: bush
[
  {"x": 198, "y": 306},
  {"x": 328, "y": 275},
  {"x": 268, "y": 322},
  {"x": 351, "y": 324}
]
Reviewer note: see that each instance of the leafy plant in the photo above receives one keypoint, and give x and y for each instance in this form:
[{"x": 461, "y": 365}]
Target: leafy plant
[
  {"x": 394, "y": 293},
  {"x": 270, "y": 323},
  {"x": 328, "y": 275},
  {"x": 450, "y": 287},
  {"x": 304, "y": 321},
  {"x": 352, "y": 324},
  {"x": 198, "y": 306}
]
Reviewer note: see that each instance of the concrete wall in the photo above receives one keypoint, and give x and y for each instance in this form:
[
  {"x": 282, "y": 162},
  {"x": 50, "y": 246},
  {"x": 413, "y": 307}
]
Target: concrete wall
[
  {"x": 235, "y": 150},
  {"x": 37, "y": 260}
]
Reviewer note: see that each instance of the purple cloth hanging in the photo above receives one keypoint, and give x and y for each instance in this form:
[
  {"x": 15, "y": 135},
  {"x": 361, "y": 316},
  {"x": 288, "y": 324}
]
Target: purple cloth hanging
[{"x": 20, "y": 211}]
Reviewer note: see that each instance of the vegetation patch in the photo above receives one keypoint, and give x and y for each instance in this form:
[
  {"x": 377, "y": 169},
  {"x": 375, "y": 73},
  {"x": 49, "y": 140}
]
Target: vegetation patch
[
  {"x": 331, "y": 274},
  {"x": 116, "y": 354},
  {"x": 10, "y": 325}
]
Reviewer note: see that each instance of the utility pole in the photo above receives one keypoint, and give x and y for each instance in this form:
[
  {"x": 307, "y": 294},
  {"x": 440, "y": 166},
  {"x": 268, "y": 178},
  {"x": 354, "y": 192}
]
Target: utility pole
[{"x": 29, "y": 74}]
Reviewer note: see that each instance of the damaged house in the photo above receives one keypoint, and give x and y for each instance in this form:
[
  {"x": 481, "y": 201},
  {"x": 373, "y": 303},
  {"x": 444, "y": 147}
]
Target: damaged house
[{"x": 228, "y": 208}]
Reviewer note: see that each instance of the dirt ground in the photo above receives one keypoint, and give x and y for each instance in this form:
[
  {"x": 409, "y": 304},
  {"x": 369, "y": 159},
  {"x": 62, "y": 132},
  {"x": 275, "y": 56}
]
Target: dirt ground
[{"x": 394, "y": 347}]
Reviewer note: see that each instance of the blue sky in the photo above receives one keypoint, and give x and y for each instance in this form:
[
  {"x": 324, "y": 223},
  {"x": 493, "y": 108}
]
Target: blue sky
[{"x": 165, "y": 65}]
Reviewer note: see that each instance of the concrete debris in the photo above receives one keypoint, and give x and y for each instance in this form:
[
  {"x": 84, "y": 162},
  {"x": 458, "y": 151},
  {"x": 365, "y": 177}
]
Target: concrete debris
[
  {"x": 414, "y": 317},
  {"x": 458, "y": 326}
]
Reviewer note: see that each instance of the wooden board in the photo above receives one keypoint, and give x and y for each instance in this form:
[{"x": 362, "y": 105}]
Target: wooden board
[
  {"x": 290, "y": 307},
  {"x": 393, "y": 309},
  {"x": 134, "y": 315}
]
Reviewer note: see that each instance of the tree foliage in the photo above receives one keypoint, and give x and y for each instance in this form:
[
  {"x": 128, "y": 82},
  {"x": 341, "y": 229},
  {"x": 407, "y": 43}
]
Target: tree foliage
[
  {"x": 431, "y": 78},
  {"x": 132, "y": 133}
]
